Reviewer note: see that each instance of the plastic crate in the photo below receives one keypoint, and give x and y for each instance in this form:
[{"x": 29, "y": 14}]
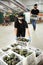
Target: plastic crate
[
  {"x": 1, "y": 53},
  {"x": 21, "y": 49},
  {"x": 30, "y": 60},
  {"x": 2, "y": 62},
  {"x": 39, "y": 58}
]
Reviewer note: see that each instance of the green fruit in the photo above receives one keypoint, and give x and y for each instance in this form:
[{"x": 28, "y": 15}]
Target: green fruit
[
  {"x": 23, "y": 39},
  {"x": 28, "y": 53},
  {"x": 12, "y": 56},
  {"x": 9, "y": 62},
  {"x": 16, "y": 50},
  {"x": 14, "y": 62},
  {"x": 23, "y": 52},
  {"x": 5, "y": 58},
  {"x": 14, "y": 45}
]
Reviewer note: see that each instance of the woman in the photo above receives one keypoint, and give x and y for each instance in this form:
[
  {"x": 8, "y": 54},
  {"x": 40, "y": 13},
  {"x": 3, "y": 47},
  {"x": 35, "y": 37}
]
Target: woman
[{"x": 21, "y": 27}]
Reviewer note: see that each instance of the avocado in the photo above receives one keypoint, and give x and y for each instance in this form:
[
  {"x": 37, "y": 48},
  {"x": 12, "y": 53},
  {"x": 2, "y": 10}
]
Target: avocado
[
  {"x": 16, "y": 50},
  {"x": 14, "y": 45},
  {"x": 23, "y": 39}
]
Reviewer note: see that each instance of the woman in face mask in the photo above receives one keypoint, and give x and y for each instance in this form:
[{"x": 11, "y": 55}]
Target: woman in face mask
[{"x": 21, "y": 27}]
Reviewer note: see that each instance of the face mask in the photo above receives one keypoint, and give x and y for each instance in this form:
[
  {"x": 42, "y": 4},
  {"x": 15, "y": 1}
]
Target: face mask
[
  {"x": 21, "y": 20},
  {"x": 35, "y": 7}
]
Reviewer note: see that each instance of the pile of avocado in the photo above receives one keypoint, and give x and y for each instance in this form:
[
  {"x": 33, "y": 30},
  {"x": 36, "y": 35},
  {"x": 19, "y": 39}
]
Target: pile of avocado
[
  {"x": 17, "y": 50},
  {"x": 11, "y": 60},
  {"x": 23, "y": 39},
  {"x": 14, "y": 45},
  {"x": 25, "y": 53},
  {"x": 22, "y": 52}
]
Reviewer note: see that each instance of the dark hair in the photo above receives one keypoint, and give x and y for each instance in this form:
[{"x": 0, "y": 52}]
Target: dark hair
[
  {"x": 35, "y": 4},
  {"x": 21, "y": 14}
]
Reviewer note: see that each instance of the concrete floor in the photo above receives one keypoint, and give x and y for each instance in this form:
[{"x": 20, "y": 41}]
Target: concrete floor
[{"x": 7, "y": 36}]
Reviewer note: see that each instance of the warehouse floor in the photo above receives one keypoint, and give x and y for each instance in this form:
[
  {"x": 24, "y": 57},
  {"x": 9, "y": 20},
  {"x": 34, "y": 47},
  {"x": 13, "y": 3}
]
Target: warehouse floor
[{"x": 7, "y": 36}]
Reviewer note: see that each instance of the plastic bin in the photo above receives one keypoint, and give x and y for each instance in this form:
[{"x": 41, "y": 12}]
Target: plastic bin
[
  {"x": 30, "y": 60},
  {"x": 39, "y": 58},
  {"x": 2, "y": 62},
  {"x": 1, "y": 53}
]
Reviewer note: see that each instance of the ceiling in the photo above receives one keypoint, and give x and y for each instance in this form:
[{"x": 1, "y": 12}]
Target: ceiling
[
  {"x": 19, "y": 5},
  {"x": 13, "y": 5}
]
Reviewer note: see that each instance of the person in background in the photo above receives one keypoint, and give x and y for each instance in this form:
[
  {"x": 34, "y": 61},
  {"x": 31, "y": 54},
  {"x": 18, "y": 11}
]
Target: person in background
[
  {"x": 34, "y": 13},
  {"x": 21, "y": 27},
  {"x": 15, "y": 18},
  {"x": 7, "y": 20}
]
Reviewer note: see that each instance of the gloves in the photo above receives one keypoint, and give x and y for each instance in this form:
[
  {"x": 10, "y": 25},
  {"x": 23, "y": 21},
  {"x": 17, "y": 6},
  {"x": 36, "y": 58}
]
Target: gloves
[
  {"x": 15, "y": 37},
  {"x": 29, "y": 38}
]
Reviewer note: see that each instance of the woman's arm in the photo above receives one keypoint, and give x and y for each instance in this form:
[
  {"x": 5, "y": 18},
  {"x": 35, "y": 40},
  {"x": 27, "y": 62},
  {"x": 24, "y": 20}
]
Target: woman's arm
[
  {"x": 27, "y": 32},
  {"x": 15, "y": 31}
]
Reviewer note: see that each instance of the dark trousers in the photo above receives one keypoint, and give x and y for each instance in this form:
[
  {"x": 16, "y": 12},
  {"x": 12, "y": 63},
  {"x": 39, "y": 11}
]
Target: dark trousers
[{"x": 34, "y": 24}]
